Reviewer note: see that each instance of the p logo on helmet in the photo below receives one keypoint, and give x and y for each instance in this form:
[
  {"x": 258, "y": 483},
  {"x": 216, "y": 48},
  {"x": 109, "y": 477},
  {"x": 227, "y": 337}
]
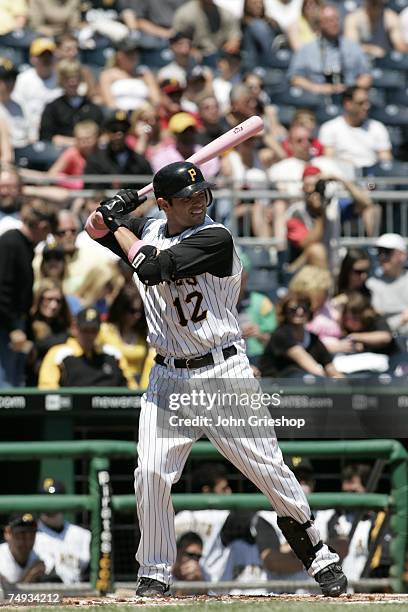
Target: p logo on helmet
[{"x": 192, "y": 172}]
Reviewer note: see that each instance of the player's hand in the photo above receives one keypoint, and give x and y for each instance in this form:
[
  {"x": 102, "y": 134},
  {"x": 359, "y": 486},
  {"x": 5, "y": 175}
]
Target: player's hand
[{"x": 123, "y": 203}]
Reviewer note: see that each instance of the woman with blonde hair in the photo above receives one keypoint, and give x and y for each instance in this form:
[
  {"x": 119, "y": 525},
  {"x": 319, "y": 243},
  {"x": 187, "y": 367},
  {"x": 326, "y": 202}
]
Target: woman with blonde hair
[
  {"x": 306, "y": 28},
  {"x": 125, "y": 85},
  {"x": 100, "y": 287},
  {"x": 317, "y": 284}
]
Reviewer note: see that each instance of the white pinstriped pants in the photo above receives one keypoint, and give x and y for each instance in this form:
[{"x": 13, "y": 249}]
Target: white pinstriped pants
[{"x": 161, "y": 462}]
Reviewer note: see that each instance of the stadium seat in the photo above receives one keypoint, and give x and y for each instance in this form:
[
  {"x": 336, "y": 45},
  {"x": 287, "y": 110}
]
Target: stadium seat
[
  {"x": 280, "y": 58},
  {"x": 393, "y": 61},
  {"x": 286, "y": 114},
  {"x": 392, "y": 114},
  {"x": 388, "y": 79},
  {"x": 378, "y": 97},
  {"x": 260, "y": 257},
  {"x": 294, "y": 96},
  {"x": 264, "y": 281},
  {"x": 397, "y": 5},
  {"x": 397, "y": 96},
  {"x": 15, "y": 55},
  {"x": 328, "y": 112},
  {"x": 274, "y": 81}
]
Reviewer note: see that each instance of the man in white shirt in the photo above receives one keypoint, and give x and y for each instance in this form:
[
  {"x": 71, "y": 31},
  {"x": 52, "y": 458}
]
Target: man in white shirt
[
  {"x": 10, "y": 110},
  {"x": 353, "y": 137},
  {"x": 18, "y": 561},
  {"x": 38, "y": 86},
  {"x": 64, "y": 547}
]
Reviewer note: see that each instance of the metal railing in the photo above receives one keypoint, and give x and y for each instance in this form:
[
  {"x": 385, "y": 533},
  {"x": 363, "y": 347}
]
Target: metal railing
[{"x": 102, "y": 505}]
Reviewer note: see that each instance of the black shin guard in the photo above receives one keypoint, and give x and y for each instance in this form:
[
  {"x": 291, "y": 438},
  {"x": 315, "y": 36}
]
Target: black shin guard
[{"x": 299, "y": 540}]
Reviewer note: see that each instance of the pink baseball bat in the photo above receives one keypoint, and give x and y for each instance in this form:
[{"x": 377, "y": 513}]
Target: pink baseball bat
[{"x": 230, "y": 139}]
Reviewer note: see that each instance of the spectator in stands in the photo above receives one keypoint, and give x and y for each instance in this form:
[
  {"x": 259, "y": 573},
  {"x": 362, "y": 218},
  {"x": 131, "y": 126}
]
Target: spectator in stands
[
  {"x": 145, "y": 135},
  {"x": 213, "y": 28},
  {"x": 353, "y": 275},
  {"x": 81, "y": 362},
  {"x": 37, "y": 86},
  {"x": 53, "y": 17},
  {"x": 375, "y": 27},
  {"x": 258, "y": 34},
  {"x": 199, "y": 84},
  {"x": 317, "y": 284},
  {"x": 306, "y": 28},
  {"x": 243, "y": 104},
  {"x": 364, "y": 329},
  {"x": 228, "y": 74},
  {"x": 330, "y": 63},
  {"x": 16, "y": 286},
  {"x": 313, "y": 224},
  {"x": 256, "y": 315},
  {"x": 152, "y": 19},
  {"x": 292, "y": 351},
  {"x": 60, "y": 116},
  {"x": 171, "y": 100},
  {"x": 116, "y": 157},
  {"x": 354, "y": 478},
  {"x": 182, "y": 60},
  {"x": 50, "y": 321},
  {"x": 64, "y": 547},
  {"x": 18, "y": 561},
  {"x": 126, "y": 329},
  {"x": 183, "y": 126},
  {"x": 125, "y": 85},
  {"x": 306, "y": 119},
  {"x": 189, "y": 553},
  {"x": 68, "y": 49},
  {"x": 52, "y": 266},
  {"x": 10, "y": 198},
  {"x": 102, "y": 24},
  {"x": 17, "y": 122},
  {"x": 100, "y": 287},
  {"x": 212, "y": 124},
  {"x": 353, "y": 136},
  {"x": 390, "y": 292},
  {"x": 13, "y": 16},
  {"x": 73, "y": 160}
]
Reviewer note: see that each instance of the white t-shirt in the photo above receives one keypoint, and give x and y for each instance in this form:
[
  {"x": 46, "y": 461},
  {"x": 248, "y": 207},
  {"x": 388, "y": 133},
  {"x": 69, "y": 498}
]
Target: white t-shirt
[
  {"x": 283, "y": 14},
  {"x": 358, "y": 145},
  {"x": 287, "y": 174},
  {"x": 222, "y": 90},
  {"x": 9, "y": 568},
  {"x": 17, "y": 123},
  {"x": 33, "y": 94},
  {"x": 68, "y": 552},
  {"x": 236, "y": 7},
  {"x": 403, "y": 17}
]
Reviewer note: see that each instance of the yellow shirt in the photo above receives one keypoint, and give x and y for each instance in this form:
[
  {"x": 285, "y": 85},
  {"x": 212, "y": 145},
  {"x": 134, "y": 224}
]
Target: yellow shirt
[
  {"x": 138, "y": 355},
  {"x": 50, "y": 371}
]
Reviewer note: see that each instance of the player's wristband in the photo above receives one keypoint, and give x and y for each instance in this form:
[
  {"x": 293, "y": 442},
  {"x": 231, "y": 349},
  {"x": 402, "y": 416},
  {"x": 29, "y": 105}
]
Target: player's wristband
[{"x": 92, "y": 230}]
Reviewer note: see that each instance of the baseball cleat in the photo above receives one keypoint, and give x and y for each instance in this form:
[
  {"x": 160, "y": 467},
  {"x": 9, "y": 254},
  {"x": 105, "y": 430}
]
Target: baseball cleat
[
  {"x": 332, "y": 580},
  {"x": 149, "y": 587}
]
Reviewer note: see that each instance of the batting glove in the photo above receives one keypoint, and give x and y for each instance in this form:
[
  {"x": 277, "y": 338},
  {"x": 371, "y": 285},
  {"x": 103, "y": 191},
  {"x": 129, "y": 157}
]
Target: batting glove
[{"x": 123, "y": 203}]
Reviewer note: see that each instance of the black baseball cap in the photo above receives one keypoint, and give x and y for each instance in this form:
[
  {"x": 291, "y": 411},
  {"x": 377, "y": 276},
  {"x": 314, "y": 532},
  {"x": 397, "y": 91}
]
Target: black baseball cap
[
  {"x": 22, "y": 522},
  {"x": 8, "y": 70},
  {"x": 117, "y": 122},
  {"x": 51, "y": 486},
  {"x": 52, "y": 251},
  {"x": 299, "y": 464},
  {"x": 180, "y": 36},
  {"x": 88, "y": 318}
]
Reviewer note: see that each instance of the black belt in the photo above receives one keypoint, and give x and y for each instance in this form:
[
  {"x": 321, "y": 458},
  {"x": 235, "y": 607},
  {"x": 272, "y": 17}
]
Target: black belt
[{"x": 192, "y": 363}]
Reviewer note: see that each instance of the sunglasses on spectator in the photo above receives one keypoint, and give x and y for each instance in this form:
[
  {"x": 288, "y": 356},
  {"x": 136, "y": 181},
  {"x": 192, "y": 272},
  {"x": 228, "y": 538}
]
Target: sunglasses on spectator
[
  {"x": 66, "y": 231},
  {"x": 293, "y": 309},
  {"x": 191, "y": 555},
  {"x": 385, "y": 253}
]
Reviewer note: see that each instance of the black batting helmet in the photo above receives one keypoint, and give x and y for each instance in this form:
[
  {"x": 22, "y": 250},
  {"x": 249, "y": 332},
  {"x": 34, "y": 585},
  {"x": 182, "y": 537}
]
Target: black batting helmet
[{"x": 180, "y": 180}]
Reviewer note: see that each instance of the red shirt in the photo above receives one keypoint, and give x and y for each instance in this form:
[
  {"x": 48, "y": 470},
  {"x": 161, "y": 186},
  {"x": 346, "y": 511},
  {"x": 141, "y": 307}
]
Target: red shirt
[{"x": 74, "y": 165}]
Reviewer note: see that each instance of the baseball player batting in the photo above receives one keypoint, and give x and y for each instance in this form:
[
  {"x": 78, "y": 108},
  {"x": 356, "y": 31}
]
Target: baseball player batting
[{"x": 188, "y": 274}]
